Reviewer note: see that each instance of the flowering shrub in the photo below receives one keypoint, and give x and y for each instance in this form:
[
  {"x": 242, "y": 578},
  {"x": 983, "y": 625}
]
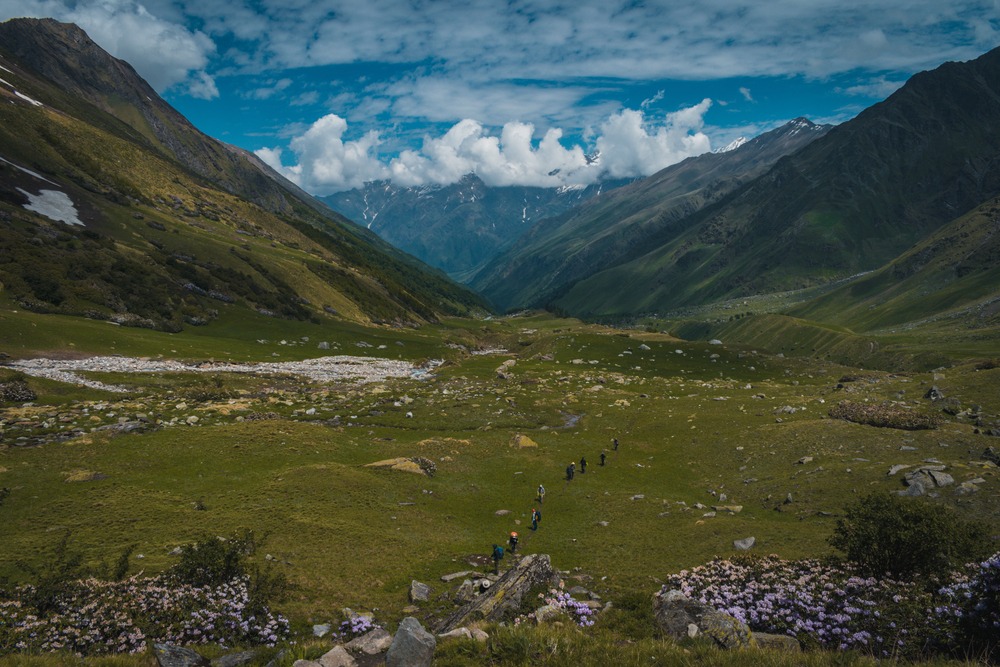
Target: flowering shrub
[
  {"x": 819, "y": 604},
  {"x": 95, "y": 617},
  {"x": 974, "y": 602},
  {"x": 356, "y": 626},
  {"x": 581, "y": 614}
]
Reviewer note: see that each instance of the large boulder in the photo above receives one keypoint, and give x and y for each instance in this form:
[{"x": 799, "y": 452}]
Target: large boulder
[
  {"x": 412, "y": 646},
  {"x": 505, "y": 596},
  {"x": 170, "y": 655},
  {"x": 678, "y": 616}
]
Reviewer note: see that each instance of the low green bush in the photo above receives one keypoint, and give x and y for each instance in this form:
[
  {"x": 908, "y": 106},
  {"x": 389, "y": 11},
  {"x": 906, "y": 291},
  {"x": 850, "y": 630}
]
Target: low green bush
[{"x": 886, "y": 534}]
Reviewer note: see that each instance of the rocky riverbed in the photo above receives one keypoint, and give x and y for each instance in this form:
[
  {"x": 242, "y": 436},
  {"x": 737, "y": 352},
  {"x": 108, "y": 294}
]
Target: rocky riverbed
[{"x": 340, "y": 368}]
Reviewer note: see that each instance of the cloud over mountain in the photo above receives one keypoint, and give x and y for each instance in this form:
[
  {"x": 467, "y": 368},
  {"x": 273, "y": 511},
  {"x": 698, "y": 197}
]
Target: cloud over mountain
[{"x": 629, "y": 143}]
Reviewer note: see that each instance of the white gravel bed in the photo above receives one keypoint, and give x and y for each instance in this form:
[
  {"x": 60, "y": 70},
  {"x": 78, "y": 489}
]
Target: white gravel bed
[{"x": 340, "y": 368}]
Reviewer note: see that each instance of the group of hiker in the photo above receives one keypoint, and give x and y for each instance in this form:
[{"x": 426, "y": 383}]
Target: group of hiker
[
  {"x": 571, "y": 468},
  {"x": 536, "y": 514}
]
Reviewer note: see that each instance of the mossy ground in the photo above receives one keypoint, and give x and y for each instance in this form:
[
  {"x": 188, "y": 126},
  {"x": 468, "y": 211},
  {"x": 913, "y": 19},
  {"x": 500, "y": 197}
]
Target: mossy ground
[{"x": 695, "y": 421}]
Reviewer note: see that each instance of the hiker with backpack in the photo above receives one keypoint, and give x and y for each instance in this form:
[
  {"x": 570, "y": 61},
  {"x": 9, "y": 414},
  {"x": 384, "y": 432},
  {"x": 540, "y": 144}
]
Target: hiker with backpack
[
  {"x": 497, "y": 556},
  {"x": 513, "y": 542},
  {"x": 569, "y": 471},
  {"x": 541, "y": 494},
  {"x": 583, "y": 464},
  {"x": 536, "y": 518}
]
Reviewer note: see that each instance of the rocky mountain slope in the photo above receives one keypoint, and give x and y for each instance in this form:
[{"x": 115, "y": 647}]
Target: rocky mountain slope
[
  {"x": 621, "y": 224},
  {"x": 847, "y": 203},
  {"x": 116, "y": 207},
  {"x": 457, "y": 227}
]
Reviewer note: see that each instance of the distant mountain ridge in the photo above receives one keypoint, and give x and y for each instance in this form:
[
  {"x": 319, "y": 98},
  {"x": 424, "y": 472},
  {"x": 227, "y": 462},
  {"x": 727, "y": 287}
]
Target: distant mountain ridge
[
  {"x": 175, "y": 226},
  {"x": 457, "y": 227},
  {"x": 847, "y": 203},
  {"x": 620, "y": 224}
]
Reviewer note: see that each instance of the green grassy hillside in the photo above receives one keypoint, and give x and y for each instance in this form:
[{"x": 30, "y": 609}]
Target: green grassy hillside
[
  {"x": 157, "y": 243},
  {"x": 847, "y": 203}
]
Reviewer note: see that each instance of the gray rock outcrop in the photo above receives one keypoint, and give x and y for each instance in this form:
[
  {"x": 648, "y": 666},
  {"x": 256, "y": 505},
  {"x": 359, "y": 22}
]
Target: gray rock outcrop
[
  {"x": 412, "y": 646},
  {"x": 506, "y": 595},
  {"x": 678, "y": 616},
  {"x": 925, "y": 479}
]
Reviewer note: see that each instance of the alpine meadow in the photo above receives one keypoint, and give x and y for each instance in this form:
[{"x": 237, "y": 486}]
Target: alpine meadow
[{"x": 742, "y": 410}]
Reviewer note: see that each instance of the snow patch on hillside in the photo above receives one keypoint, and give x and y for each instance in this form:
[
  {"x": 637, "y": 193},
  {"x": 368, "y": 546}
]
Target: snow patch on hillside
[{"x": 54, "y": 205}]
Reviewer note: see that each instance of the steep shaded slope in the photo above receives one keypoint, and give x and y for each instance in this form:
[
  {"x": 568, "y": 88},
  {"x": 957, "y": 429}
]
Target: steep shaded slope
[
  {"x": 846, "y": 203},
  {"x": 617, "y": 225},
  {"x": 953, "y": 274},
  {"x": 156, "y": 241},
  {"x": 457, "y": 227}
]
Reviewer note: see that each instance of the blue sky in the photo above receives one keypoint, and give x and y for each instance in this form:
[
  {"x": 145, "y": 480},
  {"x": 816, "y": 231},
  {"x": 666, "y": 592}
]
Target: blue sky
[{"x": 337, "y": 92}]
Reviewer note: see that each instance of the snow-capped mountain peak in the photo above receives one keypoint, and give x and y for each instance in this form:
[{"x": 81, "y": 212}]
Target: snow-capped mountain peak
[{"x": 732, "y": 145}]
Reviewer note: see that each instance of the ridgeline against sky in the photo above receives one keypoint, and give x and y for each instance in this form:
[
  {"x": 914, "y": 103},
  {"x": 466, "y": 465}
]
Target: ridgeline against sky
[{"x": 336, "y": 92}]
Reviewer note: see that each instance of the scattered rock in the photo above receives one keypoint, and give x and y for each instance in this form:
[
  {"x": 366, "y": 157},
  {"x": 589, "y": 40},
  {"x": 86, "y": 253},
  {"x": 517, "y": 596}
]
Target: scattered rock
[
  {"x": 457, "y": 633},
  {"x": 934, "y": 393},
  {"x": 419, "y": 592},
  {"x": 479, "y": 635},
  {"x": 744, "y": 544},
  {"x": 416, "y": 464},
  {"x": 412, "y": 646},
  {"x": 678, "y": 616},
  {"x": 925, "y": 478},
  {"x": 771, "y": 642},
  {"x": 371, "y": 643},
  {"x": 522, "y": 442},
  {"x": 804, "y": 460},
  {"x": 321, "y": 630},
  {"x": 447, "y": 578},
  {"x": 896, "y": 468},
  {"x": 235, "y": 659},
  {"x": 729, "y": 509},
  {"x": 337, "y": 657},
  {"x": 547, "y": 613},
  {"x": 715, "y": 341},
  {"x": 502, "y": 512}
]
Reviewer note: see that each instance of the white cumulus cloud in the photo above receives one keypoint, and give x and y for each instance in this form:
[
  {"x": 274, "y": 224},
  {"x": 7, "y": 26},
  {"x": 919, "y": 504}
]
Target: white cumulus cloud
[
  {"x": 325, "y": 163},
  {"x": 630, "y": 145}
]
